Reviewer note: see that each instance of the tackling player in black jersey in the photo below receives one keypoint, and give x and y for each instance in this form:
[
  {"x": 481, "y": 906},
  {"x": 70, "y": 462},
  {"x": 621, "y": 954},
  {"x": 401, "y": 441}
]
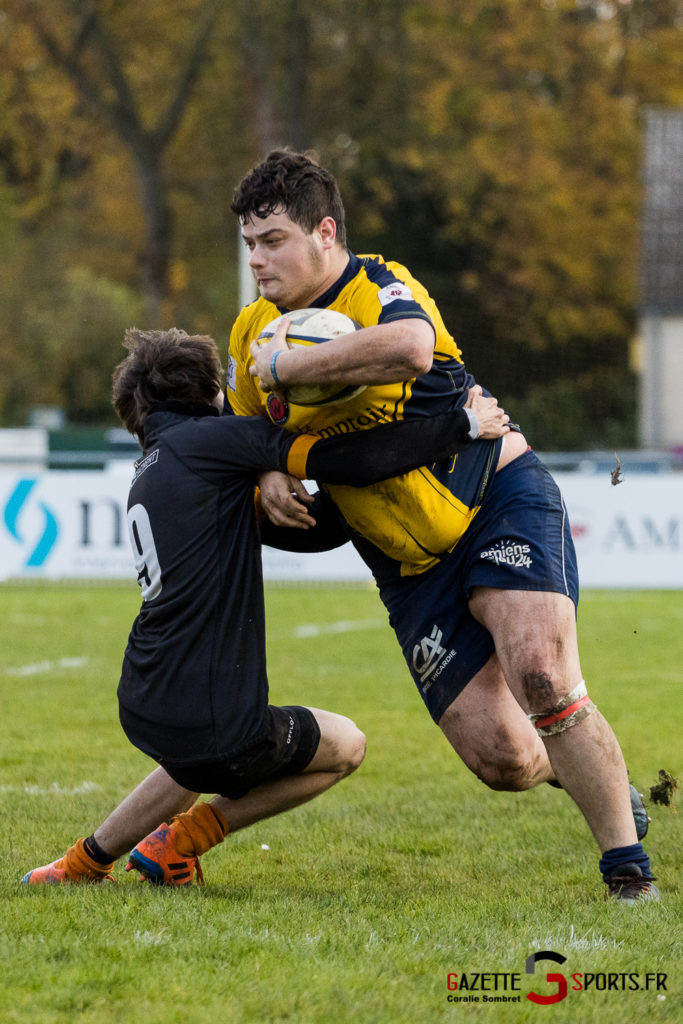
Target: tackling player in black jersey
[{"x": 193, "y": 692}]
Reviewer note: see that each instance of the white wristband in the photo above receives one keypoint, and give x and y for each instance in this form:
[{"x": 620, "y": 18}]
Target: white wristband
[{"x": 474, "y": 424}]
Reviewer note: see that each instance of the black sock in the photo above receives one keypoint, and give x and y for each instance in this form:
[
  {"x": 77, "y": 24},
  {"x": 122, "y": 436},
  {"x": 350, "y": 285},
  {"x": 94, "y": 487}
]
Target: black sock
[{"x": 94, "y": 850}]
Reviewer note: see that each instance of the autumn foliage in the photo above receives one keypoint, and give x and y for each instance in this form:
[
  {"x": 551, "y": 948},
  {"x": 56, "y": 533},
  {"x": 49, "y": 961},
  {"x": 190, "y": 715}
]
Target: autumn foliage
[{"x": 493, "y": 147}]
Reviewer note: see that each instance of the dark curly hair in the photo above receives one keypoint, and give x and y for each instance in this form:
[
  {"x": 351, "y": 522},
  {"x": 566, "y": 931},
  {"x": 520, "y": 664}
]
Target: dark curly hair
[
  {"x": 164, "y": 366},
  {"x": 294, "y": 183}
]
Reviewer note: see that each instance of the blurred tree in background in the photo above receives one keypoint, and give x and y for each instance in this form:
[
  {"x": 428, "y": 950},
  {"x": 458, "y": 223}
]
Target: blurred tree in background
[{"x": 491, "y": 146}]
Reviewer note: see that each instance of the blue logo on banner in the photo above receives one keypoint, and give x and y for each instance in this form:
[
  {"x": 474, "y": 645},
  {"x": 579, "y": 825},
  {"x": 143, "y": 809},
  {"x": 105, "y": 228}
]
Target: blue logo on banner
[{"x": 46, "y": 542}]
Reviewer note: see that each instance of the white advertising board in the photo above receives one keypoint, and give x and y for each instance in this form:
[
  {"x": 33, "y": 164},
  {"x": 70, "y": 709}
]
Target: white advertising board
[
  {"x": 67, "y": 524},
  {"x": 628, "y": 535}
]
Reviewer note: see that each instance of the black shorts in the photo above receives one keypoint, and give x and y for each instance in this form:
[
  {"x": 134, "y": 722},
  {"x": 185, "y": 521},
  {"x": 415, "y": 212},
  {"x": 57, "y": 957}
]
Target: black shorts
[{"x": 286, "y": 746}]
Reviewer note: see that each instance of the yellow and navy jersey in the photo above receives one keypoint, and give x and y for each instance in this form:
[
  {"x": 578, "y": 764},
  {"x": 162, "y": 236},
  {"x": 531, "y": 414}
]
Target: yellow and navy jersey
[{"x": 413, "y": 519}]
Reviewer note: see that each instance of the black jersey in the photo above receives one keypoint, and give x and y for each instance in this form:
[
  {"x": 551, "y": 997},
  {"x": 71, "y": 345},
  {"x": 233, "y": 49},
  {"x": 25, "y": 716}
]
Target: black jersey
[{"x": 193, "y": 687}]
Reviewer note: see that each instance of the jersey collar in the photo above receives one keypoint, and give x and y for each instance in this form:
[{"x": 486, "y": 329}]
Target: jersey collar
[{"x": 162, "y": 415}]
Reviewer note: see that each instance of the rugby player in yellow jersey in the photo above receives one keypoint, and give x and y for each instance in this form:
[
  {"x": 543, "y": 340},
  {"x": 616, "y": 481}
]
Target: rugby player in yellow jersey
[{"x": 473, "y": 555}]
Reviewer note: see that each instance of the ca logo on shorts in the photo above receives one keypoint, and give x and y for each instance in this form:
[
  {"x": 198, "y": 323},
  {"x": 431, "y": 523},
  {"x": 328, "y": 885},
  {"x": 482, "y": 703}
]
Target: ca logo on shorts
[{"x": 427, "y": 655}]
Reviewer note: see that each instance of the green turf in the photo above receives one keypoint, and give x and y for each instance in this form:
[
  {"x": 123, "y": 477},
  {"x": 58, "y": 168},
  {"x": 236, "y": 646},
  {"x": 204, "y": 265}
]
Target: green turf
[{"x": 368, "y": 897}]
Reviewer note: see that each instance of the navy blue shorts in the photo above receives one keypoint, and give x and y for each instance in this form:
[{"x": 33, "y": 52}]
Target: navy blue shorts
[{"x": 519, "y": 540}]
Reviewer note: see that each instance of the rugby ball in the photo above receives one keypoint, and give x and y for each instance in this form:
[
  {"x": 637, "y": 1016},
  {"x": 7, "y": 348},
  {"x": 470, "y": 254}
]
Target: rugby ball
[{"x": 313, "y": 327}]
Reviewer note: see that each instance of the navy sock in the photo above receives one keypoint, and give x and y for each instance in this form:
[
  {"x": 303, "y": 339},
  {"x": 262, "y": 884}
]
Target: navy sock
[
  {"x": 634, "y": 854},
  {"x": 94, "y": 850}
]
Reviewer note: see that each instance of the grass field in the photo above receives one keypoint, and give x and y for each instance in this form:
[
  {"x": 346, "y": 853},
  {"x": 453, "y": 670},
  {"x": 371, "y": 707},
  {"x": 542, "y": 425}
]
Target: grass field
[{"x": 366, "y": 898}]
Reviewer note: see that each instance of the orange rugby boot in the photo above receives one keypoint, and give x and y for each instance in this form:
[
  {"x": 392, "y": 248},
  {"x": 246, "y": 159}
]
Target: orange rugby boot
[
  {"x": 158, "y": 861},
  {"x": 74, "y": 867}
]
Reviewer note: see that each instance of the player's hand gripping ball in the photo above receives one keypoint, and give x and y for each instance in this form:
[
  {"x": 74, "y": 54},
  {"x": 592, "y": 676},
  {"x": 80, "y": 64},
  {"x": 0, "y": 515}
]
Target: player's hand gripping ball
[{"x": 313, "y": 327}]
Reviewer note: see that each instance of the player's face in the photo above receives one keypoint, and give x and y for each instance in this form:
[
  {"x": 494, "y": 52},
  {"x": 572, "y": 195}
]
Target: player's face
[{"x": 291, "y": 268}]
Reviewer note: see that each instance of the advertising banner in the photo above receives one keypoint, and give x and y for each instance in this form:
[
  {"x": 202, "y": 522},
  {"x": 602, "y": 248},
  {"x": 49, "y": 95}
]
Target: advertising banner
[
  {"x": 629, "y": 535},
  {"x": 64, "y": 524}
]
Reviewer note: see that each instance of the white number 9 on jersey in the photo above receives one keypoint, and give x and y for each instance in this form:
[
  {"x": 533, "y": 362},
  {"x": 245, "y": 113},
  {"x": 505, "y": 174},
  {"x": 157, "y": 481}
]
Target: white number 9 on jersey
[{"x": 144, "y": 552}]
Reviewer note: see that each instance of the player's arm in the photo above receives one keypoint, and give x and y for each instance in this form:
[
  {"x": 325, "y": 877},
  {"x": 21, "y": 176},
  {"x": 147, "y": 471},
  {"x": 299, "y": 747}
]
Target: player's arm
[
  {"x": 285, "y": 501},
  {"x": 327, "y": 530},
  {"x": 370, "y": 455},
  {"x": 381, "y": 354}
]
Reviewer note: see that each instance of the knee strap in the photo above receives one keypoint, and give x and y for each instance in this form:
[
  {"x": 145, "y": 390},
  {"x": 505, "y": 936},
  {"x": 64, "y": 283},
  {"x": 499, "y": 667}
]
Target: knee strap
[{"x": 569, "y": 711}]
